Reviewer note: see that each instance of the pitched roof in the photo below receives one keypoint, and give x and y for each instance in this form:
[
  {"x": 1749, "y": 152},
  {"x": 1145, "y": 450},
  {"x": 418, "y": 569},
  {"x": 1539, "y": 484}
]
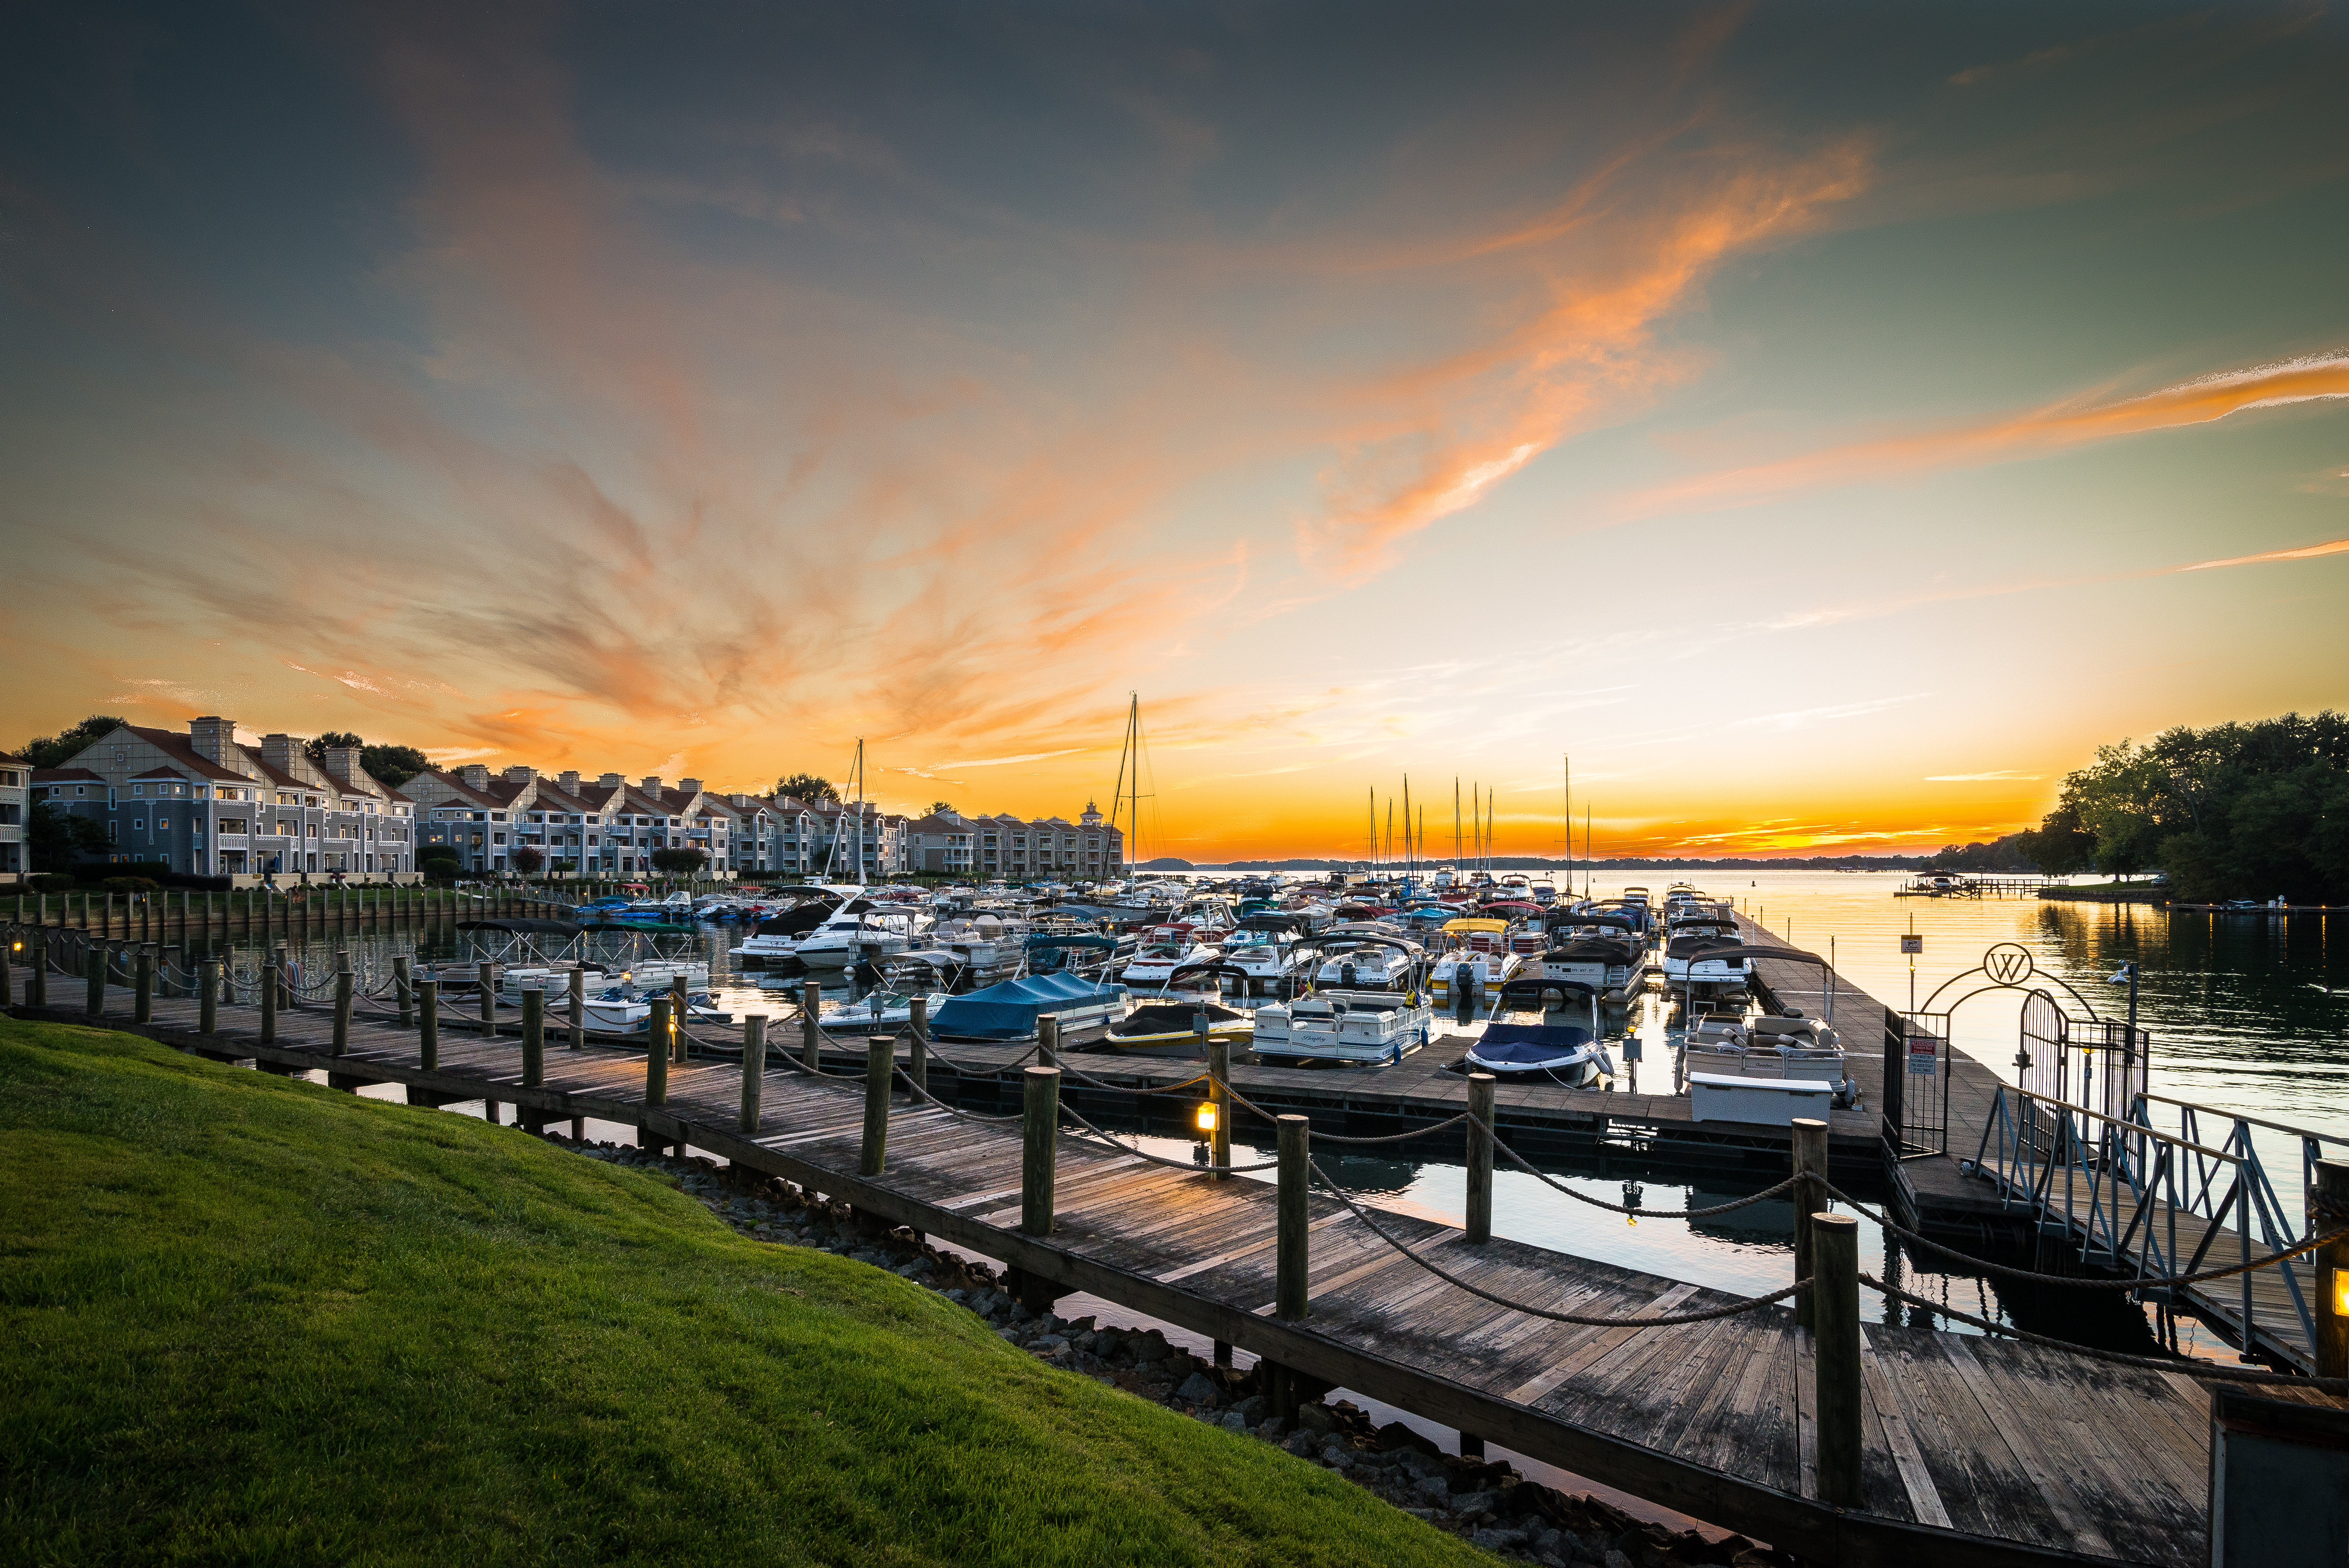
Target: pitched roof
[
  {"x": 66, "y": 775},
  {"x": 171, "y": 773},
  {"x": 182, "y": 750}
]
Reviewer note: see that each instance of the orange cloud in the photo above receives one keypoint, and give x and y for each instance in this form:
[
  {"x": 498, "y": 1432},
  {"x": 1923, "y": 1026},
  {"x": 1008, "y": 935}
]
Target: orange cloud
[{"x": 2038, "y": 433}]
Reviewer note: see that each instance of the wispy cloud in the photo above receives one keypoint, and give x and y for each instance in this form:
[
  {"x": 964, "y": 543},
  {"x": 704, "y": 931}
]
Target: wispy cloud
[
  {"x": 2307, "y": 553},
  {"x": 1981, "y": 778},
  {"x": 2006, "y": 437},
  {"x": 1797, "y": 718}
]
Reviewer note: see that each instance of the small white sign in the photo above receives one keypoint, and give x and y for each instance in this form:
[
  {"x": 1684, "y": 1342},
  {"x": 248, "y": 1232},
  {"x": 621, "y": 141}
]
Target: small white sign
[
  {"x": 1924, "y": 1057},
  {"x": 1912, "y": 944}
]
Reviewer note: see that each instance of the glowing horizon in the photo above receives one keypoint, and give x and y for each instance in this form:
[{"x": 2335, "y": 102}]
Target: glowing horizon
[{"x": 1828, "y": 430}]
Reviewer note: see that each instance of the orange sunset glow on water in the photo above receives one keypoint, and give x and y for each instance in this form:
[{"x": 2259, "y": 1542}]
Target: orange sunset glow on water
[{"x": 1825, "y": 428}]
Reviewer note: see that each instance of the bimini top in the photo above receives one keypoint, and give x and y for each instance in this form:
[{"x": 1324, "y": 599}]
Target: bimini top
[
  {"x": 1529, "y": 1046},
  {"x": 521, "y": 927},
  {"x": 1009, "y": 1011},
  {"x": 1471, "y": 923}
]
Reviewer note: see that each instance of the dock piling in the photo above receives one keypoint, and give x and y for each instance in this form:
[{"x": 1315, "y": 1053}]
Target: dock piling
[
  {"x": 37, "y": 989},
  {"x": 428, "y": 1022},
  {"x": 810, "y": 1028},
  {"x": 142, "y": 1005},
  {"x": 917, "y": 1049},
  {"x": 680, "y": 1010},
  {"x": 1219, "y": 1101},
  {"x": 94, "y": 971},
  {"x": 1835, "y": 1292},
  {"x": 1810, "y": 1198},
  {"x": 578, "y": 979},
  {"x": 403, "y": 990},
  {"x": 489, "y": 1000},
  {"x": 1040, "y": 1143},
  {"x": 657, "y": 1053},
  {"x": 880, "y": 1066},
  {"x": 1480, "y": 1157},
  {"x": 1048, "y": 1040},
  {"x": 754, "y": 1068},
  {"x": 1292, "y": 1216},
  {"x": 533, "y": 1038},
  {"x": 269, "y": 997},
  {"x": 346, "y": 984},
  {"x": 208, "y": 990}
]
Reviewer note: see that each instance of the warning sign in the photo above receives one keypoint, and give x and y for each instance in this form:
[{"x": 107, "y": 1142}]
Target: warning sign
[
  {"x": 1924, "y": 1056},
  {"x": 1912, "y": 944}
]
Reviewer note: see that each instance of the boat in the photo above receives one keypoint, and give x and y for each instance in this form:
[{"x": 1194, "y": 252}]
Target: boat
[
  {"x": 889, "y": 1007},
  {"x": 1786, "y": 1045},
  {"x": 1009, "y": 1011},
  {"x": 1155, "y": 963},
  {"x": 1263, "y": 964},
  {"x": 1568, "y": 1054},
  {"x": 1605, "y": 951},
  {"x": 1364, "y": 1028},
  {"x": 1360, "y": 962},
  {"x": 857, "y": 931},
  {"x": 1172, "y": 1028},
  {"x": 1480, "y": 951}
]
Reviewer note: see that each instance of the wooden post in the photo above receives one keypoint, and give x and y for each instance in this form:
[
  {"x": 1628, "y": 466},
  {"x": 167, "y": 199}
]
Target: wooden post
[
  {"x": 269, "y": 997},
  {"x": 282, "y": 977},
  {"x": 142, "y": 983},
  {"x": 810, "y": 1035},
  {"x": 489, "y": 1001},
  {"x": 207, "y": 988},
  {"x": 345, "y": 983},
  {"x": 578, "y": 1008},
  {"x": 94, "y": 971},
  {"x": 1040, "y": 1143},
  {"x": 917, "y": 1042},
  {"x": 2328, "y": 1209},
  {"x": 37, "y": 990},
  {"x": 1810, "y": 1198},
  {"x": 656, "y": 1054},
  {"x": 1048, "y": 1040},
  {"x": 403, "y": 988},
  {"x": 428, "y": 1022},
  {"x": 880, "y": 1063},
  {"x": 533, "y": 1038},
  {"x": 1294, "y": 1176},
  {"x": 754, "y": 1068},
  {"x": 1480, "y": 1157},
  {"x": 1835, "y": 1349},
  {"x": 1219, "y": 1102},
  {"x": 681, "y": 1011}
]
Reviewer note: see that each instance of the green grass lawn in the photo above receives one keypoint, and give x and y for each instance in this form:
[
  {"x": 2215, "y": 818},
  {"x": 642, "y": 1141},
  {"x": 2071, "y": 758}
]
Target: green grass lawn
[{"x": 244, "y": 1319}]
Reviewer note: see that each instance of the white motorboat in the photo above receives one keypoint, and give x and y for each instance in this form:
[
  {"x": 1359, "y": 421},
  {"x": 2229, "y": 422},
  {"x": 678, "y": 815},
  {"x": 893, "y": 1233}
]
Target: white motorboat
[
  {"x": 1486, "y": 973},
  {"x": 853, "y": 934},
  {"x": 1265, "y": 965},
  {"x": 1368, "y": 1028},
  {"x": 1559, "y": 1053},
  {"x": 1155, "y": 965},
  {"x": 1368, "y": 963}
]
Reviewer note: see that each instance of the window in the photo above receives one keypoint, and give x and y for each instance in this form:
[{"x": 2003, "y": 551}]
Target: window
[
  {"x": 138, "y": 789},
  {"x": 139, "y": 826},
  {"x": 162, "y": 824}
]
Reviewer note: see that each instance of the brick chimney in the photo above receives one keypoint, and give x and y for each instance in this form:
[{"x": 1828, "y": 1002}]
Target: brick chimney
[
  {"x": 689, "y": 786},
  {"x": 570, "y": 782},
  {"x": 652, "y": 785},
  {"x": 610, "y": 781},
  {"x": 284, "y": 753},
  {"x": 212, "y": 739},
  {"x": 475, "y": 776},
  {"x": 520, "y": 775},
  {"x": 738, "y": 799},
  {"x": 343, "y": 768}
]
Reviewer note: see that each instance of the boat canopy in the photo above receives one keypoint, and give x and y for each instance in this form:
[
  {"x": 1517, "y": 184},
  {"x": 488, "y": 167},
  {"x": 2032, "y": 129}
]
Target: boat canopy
[
  {"x": 641, "y": 927},
  {"x": 1043, "y": 940},
  {"x": 795, "y": 922},
  {"x": 1467, "y": 924},
  {"x": 1009, "y": 1011},
  {"x": 519, "y": 927},
  {"x": 1529, "y": 1047}
]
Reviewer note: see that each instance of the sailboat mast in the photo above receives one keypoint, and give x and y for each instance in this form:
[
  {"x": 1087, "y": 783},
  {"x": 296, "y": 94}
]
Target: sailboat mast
[
  {"x": 1570, "y": 823},
  {"x": 1407, "y": 846},
  {"x": 1456, "y": 861},
  {"x": 1587, "y": 853}
]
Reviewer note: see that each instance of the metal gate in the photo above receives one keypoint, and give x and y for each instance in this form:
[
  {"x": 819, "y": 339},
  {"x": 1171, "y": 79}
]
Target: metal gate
[
  {"x": 1916, "y": 1083},
  {"x": 2040, "y": 1059}
]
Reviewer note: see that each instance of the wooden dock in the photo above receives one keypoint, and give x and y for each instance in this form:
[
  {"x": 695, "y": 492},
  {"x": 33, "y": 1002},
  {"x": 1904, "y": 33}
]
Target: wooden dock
[
  {"x": 1940, "y": 1192},
  {"x": 1975, "y": 1451}
]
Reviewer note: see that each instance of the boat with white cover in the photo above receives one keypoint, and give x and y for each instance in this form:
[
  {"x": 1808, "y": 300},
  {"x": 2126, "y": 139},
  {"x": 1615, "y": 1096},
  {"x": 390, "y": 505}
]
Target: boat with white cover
[{"x": 1364, "y": 1028}]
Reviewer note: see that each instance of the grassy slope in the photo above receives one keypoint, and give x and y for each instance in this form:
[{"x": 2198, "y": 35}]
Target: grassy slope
[{"x": 247, "y": 1319}]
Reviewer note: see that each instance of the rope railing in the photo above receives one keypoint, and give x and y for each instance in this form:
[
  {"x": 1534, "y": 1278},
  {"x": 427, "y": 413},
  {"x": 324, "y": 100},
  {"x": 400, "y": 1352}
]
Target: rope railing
[
  {"x": 2188, "y": 1365},
  {"x": 1745, "y": 1304},
  {"x": 1639, "y": 1211}
]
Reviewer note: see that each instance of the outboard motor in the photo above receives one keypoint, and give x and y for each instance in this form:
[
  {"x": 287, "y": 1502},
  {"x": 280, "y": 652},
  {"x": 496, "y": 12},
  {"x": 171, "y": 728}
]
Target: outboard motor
[
  {"x": 1346, "y": 975},
  {"x": 1463, "y": 993}
]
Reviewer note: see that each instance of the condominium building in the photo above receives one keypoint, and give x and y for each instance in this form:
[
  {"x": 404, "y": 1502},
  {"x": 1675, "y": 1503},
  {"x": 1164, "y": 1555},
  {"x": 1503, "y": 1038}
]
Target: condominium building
[{"x": 15, "y": 813}]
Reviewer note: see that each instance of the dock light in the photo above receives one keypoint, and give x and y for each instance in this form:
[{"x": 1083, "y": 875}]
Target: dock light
[
  {"x": 1206, "y": 1119},
  {"x": 2341, "y": 1293}
]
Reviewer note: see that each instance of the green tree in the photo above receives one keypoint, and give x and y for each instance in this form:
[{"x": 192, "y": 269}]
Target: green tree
[
  {"x": 392, "y": 766},
  {"x": 56, "y": 838},
  {"x": 940, "y": 809},
  {"x": 527, "y": 859},
  {"x": 679, "y": 861},
  {"x": 806, "y": 787},
  {"x": 316, "y": 749},
  {"x": 54, "y": 750}
]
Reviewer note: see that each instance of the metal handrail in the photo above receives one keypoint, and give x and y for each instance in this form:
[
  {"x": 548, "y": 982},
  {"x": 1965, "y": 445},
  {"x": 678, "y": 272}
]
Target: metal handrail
[
  {"x": 2252, "y": 1120},
  {"x": 2120, "y": 1122}
]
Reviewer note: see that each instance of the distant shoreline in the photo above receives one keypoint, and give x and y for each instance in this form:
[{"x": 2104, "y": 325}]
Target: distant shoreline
[{"x": 1530, "y": 863}]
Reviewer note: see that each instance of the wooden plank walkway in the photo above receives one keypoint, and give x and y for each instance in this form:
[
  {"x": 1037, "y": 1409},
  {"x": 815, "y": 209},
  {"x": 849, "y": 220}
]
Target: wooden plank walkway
[
  {"x": 1937, "y": 1190},
  {"x": 1977, "y": 1451}
]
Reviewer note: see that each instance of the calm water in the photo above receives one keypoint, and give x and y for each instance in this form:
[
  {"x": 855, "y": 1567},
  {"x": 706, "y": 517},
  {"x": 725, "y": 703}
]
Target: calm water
[{"x": 2247, "y": 1015}]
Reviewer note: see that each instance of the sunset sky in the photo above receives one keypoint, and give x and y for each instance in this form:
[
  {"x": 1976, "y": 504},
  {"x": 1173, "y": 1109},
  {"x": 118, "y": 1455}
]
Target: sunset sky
[{"x": 1827, "y": 424}]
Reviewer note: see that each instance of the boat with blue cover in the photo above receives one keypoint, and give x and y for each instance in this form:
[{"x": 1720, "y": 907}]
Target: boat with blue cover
[{"x": 1009, "y": 1011}]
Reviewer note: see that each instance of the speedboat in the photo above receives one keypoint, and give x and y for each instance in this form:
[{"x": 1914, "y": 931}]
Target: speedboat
[
  {"x": 1568, "y": 1054},
  {"x": 887, "y": 1008},
  {"x": 1369, "y": 1028},
  {"x": 855, "y": 932},
  {"x": 1155, "y": 965},
  {"x": 1263, "y": 964},
  {"x": 1368, "y": 963},
  {"x": 1172, "y": 1028},
  {"x": 1486, "y": 973}
]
